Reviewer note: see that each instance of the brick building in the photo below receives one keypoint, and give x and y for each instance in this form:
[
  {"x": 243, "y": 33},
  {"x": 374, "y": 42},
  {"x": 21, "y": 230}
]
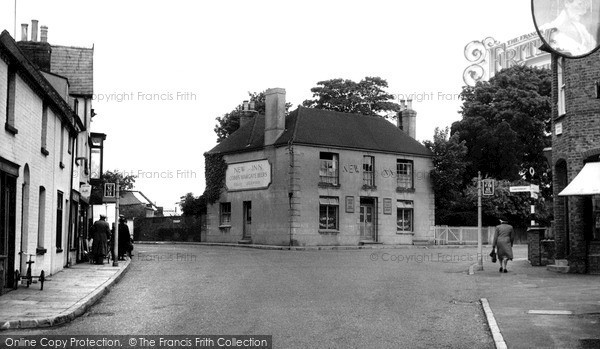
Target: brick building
[
  {"x": 318, "y": 177},
  {"x": 576, "y": 161},
  {"x": 38, "y": 159}
]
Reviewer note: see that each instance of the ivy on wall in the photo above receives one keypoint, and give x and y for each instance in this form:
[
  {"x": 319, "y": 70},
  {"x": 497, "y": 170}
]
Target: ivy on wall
[{"x": 214, "y": 172}]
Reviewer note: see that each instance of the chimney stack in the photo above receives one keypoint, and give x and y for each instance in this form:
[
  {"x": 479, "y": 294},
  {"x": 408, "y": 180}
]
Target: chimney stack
[
  {"x": 34, "y": 29},
  {"x": 24, "y": 31},
  {"x": 44, "y": 33},
  {"x": 274, "y": 114},
  {"x": 407, "y": 119}
]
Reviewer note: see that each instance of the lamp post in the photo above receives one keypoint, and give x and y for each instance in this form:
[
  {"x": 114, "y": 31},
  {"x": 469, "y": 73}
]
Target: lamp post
[{"x": 479, "y": 239}]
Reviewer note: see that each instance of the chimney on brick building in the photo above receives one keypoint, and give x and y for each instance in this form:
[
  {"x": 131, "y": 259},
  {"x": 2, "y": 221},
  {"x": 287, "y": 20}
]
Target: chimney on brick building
[
  {"x": 34, "y": 29},
  {"x": 247, "y": 113},
  {"x": 38, "y": 52},
  {"x": 274, "y": 114},
  {"x": 407, "y": 118},
  {"x": 43, "y": 33},
  {"x": 24, "y": 31}
]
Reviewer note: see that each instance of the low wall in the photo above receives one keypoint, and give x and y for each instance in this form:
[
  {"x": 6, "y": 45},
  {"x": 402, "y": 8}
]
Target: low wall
[{"x": 173, "y": 228}]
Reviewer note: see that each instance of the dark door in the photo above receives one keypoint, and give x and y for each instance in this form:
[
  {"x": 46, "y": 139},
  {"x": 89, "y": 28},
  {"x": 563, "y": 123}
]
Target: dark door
[
  {"x": 8, "y": 209},
  {"x": 247, "y": 230}
]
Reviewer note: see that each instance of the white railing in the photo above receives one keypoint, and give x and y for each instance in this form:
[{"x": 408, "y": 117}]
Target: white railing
[{"x": 445, "y": 235}]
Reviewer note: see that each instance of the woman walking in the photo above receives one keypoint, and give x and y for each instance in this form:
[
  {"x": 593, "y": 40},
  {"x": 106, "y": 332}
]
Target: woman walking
[{"x": 503, "y": 241}]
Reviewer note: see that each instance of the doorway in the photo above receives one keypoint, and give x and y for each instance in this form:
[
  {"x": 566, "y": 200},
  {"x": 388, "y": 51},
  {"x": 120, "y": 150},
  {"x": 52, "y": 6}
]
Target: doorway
[
  {"x": 247, "y": 225},
  {"x": 8, "y": 209},
  {"x": 368, "y": 219}
]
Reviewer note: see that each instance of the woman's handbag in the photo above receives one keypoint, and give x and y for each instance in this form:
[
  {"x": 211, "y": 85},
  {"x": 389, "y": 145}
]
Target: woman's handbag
[{"x": 493, "y": 255}]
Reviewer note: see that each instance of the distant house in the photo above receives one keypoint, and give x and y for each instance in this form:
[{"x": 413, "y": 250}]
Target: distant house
[
  {"x": 134, "y": 204},
  {"x": 318, "y": 177}
]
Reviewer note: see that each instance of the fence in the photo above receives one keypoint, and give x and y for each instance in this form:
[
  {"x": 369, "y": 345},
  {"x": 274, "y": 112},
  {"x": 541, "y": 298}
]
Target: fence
[{"x": 445, "y": 235}]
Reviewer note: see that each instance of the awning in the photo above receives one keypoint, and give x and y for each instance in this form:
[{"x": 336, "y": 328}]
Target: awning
[{"x": 587, "y": 182}]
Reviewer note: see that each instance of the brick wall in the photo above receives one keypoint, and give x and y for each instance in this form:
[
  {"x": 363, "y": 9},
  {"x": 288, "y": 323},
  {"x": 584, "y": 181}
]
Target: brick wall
[{"x": 581, "y": 133}]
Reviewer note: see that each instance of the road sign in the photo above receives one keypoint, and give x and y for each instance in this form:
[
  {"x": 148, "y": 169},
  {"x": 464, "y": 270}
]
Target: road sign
[
  {"x": 534, "y": 195},
  {"x": 488, "y": 187},
  {"x": 109, "y": 190},
  {"x": 535, "y": 188},
  {"x": 520, "y": 189}
]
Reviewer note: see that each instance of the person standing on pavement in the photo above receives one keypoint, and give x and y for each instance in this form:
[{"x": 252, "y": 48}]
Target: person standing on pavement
[
  {"x": 503, "y": 241},
  {"x": 100, "y": 233},
  {"x": 124, "y": 238}
]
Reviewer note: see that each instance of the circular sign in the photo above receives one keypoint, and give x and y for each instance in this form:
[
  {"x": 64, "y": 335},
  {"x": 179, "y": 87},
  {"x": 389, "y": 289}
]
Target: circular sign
[{"x": 569, "y": 28}]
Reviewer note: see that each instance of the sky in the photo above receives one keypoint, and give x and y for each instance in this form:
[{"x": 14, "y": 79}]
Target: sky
[{"x": 164, "y": 70}]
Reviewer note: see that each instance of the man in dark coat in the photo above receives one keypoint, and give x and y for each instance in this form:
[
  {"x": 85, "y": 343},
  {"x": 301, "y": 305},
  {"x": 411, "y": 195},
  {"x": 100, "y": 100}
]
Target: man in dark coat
[
  {"x": 100, "y": 233},
  {"x": 503, "y": 240},
  {"x": 124, "y": 238}
]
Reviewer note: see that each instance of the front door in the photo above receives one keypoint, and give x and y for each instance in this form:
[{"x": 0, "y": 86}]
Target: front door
[
  {"x": 367, "y": 219},
  {"x": 247, "y": 229},
  {"x": 8, "y": 209}
]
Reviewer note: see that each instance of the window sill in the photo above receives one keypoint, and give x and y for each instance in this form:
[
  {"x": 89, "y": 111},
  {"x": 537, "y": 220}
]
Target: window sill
[
  {"x": 224, "y": 226},
  {"x": 405, "y": 233},
  {"x": 61, "y": 165},
  {"x": 10, "y": 128},
  {"x": 405, "y": 190},
  {"x": 40, "y": 251},
  {"x": 369, "y": 187},
  {"x": 328, "y": 185},
  {"x": 45, "y": 151},
  {"x": 329, "y": 231},
  {"x": 59, "y": 250}
]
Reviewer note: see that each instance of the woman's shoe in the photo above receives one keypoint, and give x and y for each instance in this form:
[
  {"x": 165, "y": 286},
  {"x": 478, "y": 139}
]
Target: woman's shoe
[
  {"x": 500, "y": 269},
  {"x": 506, "y": 271}
]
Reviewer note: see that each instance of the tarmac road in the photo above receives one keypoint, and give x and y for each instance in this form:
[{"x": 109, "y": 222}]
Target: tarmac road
[{"x": 380, "y": 298}]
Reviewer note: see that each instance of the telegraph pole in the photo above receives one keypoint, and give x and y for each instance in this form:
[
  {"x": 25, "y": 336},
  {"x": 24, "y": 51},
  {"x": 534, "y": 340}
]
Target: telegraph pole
[
  {"x": 479, "y": 239},
  {"x": 116, "y": 235}
]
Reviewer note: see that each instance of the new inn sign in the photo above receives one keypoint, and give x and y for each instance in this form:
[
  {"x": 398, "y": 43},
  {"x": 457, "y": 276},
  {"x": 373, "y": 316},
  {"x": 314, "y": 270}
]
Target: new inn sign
[{"x": 248, "y": 175}]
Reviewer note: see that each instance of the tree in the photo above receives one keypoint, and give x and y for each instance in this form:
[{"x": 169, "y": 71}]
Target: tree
[
  {"x": 193, "y": 206},
  {"x": 506, "y": 125},
  {"x": 366, "y": 97},
  {"x": 450, "y": 164},
  {"x": 230, "y": 122}
]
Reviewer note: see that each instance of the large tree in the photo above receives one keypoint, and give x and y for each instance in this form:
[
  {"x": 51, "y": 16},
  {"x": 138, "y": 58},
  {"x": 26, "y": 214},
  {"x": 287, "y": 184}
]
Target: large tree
[
  {"x": 230, "y": 122},
  {"x": 366, "y": 97},
  {"x": 192, "y": 205},
  {"x": 506, "y": 125},
  {"x": 450, "y": 164}
]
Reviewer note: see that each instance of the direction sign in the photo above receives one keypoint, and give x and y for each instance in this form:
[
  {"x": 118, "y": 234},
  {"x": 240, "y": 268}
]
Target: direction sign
[
  {"x": 520, "y": 189},
  {"x": 488, "y": 186},
  {"x": 535, "y": 188},
  {"x": 109, "y": 190}
]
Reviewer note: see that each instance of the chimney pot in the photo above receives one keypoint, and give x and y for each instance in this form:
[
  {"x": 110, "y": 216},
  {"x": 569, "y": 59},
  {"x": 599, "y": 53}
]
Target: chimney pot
[
  {"x": 34, "y": 29},
  {"x": 24, "y": 27},
  {"x": 409, "y": 104},
  {"x": 44, "y": 33},
  {"x": 245, "y": 107},
  {"x": 252, "y": 105}
]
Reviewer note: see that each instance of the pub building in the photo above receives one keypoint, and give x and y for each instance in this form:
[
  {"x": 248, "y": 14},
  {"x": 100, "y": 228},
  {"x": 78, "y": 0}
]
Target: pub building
[
  {"x": 318, "y": 177},
  {"x": 576, "y": 161}
]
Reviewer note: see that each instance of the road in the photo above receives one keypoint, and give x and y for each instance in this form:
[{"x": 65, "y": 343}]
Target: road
[{"x": 388, "y": 298}]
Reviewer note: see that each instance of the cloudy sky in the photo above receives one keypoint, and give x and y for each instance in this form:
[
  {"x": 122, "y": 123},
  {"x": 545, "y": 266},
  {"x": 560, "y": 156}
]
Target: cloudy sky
[{"x": 163, "y": 70}]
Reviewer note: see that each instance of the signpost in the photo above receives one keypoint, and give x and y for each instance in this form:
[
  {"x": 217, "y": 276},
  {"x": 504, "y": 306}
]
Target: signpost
[
  {"x": 479, "y": 239},
  {"x": 533, "y": 190}
]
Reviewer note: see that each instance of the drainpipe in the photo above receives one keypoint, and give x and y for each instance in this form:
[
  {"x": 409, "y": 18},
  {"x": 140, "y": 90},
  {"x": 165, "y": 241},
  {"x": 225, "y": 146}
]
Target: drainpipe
[
  {"x": 291, "y": 188},
  {"x": 70, "y": 231}
]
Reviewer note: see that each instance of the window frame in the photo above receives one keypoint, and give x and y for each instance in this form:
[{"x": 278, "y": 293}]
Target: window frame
[
  {"x": 368, "y": 174},
  {"x": 225, "y": 213},
  {"x": 329, "y": 175},
  {"x": 330, "y": 205},
  {"x": 405, "y": 178},
  {"x": 409, "y": 208}
]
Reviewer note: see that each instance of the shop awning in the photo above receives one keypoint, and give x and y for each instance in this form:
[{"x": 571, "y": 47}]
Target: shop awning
[{"x": 587, "y": 182}]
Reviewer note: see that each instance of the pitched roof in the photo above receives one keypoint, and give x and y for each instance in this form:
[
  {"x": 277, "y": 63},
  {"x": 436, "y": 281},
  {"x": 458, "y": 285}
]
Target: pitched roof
[
  {"x": 134, "y": 197},
  {"x": 325, "y": 128},
  {"x": 38, "y": 82},
  {"x": 77, "y": 65}
]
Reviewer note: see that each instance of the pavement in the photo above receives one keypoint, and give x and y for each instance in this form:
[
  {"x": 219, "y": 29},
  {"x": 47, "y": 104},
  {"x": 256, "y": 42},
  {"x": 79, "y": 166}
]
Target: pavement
[
  {"x": 66, "y": 295},
  {"x": 532, "y": 307}
]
